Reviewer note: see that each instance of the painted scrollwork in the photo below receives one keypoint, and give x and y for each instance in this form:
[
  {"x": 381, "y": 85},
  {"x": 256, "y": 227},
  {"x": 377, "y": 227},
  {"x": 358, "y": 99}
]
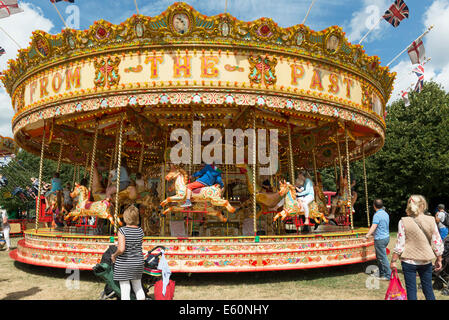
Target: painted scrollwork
[{"x": 106, "y": 72}]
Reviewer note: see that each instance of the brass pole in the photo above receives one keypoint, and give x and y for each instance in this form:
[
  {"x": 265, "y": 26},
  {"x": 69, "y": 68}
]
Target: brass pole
[
  {"x": 119, "y": 162},
  {"x": 254, "y": 175},
  {"x": 339, "y": 156},
  {"x": 142, "y": 150},
  {"x": 59, "y": 158},
  {"x": 74, "y": 175},
  {"x": 349, "y": 180},
  {"x": 366, "y": 186},
  {"x": 314, "y": 167},
  {"x": 41, "y": 167},
  {"x": 290, "y": 151},
  {"x": 92, "y": 161},
  {"x": 164, "y": 184}
]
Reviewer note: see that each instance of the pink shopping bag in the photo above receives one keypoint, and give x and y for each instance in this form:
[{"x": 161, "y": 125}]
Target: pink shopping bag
[{"x": 395, "y": 290}]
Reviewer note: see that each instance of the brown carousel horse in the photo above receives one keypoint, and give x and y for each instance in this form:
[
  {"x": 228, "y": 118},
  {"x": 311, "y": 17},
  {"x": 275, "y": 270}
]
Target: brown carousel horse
[
  {"x": 101, "y": 209},
  {"x": 293, "y": 207},
  {"x": 212, "y": 194}
]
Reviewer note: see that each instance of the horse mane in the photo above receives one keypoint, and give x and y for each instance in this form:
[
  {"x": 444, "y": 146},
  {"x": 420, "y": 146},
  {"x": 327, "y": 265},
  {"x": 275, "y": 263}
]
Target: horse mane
[{"x": 184, "y": 174}]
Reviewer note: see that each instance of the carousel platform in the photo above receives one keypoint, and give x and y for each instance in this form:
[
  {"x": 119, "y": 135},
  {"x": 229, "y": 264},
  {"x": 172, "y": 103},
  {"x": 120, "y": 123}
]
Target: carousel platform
[{"x": 322, "y": 248}]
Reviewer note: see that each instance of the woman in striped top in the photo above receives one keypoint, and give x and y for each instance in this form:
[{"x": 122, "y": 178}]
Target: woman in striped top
[{"x": 128, "y": 259}]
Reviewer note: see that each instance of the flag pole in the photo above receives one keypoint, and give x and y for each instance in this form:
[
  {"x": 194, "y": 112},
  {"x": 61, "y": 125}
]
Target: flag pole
[
  {"x": 426, "y": 32},
  {"x": 18, "y": 45},
  {"x": 60, "y": 16},
  {"x": 310, "y": 8},
  {"x": 226, "y": 6},
  {"x": 369, "y": 31},
  {"x": 137, "y": 8}
]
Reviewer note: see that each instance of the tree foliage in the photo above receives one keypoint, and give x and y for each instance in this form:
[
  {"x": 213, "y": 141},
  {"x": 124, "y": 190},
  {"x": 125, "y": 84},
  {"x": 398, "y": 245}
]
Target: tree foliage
[
  {"x": 414, "y": 159},
  {"x": 19, "y": 172}
]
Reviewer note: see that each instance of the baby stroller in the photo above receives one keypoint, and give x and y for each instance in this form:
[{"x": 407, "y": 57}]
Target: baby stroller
[
  {"x": 2, "y": 240},
  {"x": 104, "y": 270},
  {"x": 441, "y": 278}
]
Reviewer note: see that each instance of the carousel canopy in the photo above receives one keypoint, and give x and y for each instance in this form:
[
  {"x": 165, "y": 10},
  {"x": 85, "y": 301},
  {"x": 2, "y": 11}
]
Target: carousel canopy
[
  {"x": 8, "y": 146},
  {"x": 164, "y": 72}
]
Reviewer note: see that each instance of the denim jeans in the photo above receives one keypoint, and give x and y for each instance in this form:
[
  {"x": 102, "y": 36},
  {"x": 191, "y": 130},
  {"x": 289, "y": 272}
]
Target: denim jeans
[
  {"x": 425, "y": 274},
  {"x": 382, "y": 259}
]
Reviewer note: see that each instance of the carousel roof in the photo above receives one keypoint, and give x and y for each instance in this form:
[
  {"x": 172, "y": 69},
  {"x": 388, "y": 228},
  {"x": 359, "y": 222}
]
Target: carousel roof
[{"x": 166, "y": 71}]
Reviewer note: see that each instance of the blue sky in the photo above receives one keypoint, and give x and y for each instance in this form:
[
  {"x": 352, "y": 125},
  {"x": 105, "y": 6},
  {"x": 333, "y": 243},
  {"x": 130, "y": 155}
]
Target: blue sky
[{"x": 353, "y": 16}]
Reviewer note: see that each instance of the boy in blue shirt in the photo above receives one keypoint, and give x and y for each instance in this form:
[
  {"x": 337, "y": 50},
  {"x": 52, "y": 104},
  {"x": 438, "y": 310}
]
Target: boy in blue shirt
[
  {"x": 208, "y": 176},
  {"x": 381, "y": 231}
]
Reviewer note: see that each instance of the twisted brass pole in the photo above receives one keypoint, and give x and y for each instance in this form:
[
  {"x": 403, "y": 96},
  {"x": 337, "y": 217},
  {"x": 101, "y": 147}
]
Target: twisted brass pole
[
  {"x": 349, "y": 180},
  {"x": 290, "y": 155},
  {"x": 92, "y": 161},
  {"x": 339, "y": 156},
  {"x": 41, "y": 167},
  {"x": 142, "y": 150},
  {"x": 74, "y": 174},
  {"x": 366, "y": 186},
  {"x": 119, "y": 163},
  {"x": 59, "y": 158},
  {"x": 254, "y": 175}
]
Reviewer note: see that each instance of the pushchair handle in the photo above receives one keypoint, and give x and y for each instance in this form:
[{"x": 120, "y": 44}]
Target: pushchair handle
[{"x": 157, "y": 247}]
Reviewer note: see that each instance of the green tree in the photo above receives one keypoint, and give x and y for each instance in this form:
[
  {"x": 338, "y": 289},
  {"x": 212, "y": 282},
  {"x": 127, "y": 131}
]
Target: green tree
[
  {"x": 19, "y": 172},
  {"x": 414, "y": 159}
]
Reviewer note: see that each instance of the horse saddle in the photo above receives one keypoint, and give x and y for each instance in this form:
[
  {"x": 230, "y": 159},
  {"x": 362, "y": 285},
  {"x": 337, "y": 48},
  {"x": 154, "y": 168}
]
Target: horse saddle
[
  {"x": 197, "y": 190},
  {"x": 88, "y": 205}
]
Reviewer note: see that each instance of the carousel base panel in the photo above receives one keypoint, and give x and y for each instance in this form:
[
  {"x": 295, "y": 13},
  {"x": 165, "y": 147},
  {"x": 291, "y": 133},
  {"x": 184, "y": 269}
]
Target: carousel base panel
[{"x": 51, "y": 248}]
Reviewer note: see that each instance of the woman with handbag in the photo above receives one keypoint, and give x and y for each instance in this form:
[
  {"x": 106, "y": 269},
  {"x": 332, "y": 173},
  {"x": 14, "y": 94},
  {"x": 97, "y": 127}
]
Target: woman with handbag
[{"x": 418, "y": 243}]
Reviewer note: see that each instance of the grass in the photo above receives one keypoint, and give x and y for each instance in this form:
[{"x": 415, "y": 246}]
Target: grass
[{"x": 22, "y": 281}]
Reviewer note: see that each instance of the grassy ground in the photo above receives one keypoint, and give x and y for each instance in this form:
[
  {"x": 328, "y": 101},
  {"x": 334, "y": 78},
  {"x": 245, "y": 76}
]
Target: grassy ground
[{"x": 21, "y": 281}]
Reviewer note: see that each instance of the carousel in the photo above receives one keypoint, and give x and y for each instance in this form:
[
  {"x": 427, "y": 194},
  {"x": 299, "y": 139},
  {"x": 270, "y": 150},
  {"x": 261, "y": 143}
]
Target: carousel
[{"x": 152, "y": 91}]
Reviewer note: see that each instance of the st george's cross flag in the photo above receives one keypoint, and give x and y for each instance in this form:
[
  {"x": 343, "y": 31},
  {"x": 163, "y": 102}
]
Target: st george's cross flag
[
  {"x": 419, "y": 71},
  {"x": 9, "y": 7},
  {"x": 396, "y": 13},
  {"x": 416, "y": 51},
  {"x": 405, "y": 98}
]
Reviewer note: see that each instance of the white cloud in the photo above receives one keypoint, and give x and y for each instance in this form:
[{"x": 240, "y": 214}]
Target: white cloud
[
  {"x": 436, "y": 42},
  {"x": 20, "y": 27},
  {"x": 366, "y": 18}
]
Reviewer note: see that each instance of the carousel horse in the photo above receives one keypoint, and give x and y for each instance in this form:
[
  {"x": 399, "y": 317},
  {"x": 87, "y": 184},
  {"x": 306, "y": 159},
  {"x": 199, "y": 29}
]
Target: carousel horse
[
  {"x": 268, "y": 201},
  {"x": 101, "y": 209},
  {"x": 212, "y": 194},
  {"x": 99, "y": 192},
  {"x": 320, "y": 198},
  {"x": 341, "y": 201},
  {"x": 293, "y": 207}
]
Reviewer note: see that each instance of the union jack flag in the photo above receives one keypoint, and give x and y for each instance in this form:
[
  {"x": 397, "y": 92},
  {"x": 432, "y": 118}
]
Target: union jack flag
[
  {"x": 2, "y": 51},
  {"x": 419, "y": 71},
  {"x": 397, "y": 12}
]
